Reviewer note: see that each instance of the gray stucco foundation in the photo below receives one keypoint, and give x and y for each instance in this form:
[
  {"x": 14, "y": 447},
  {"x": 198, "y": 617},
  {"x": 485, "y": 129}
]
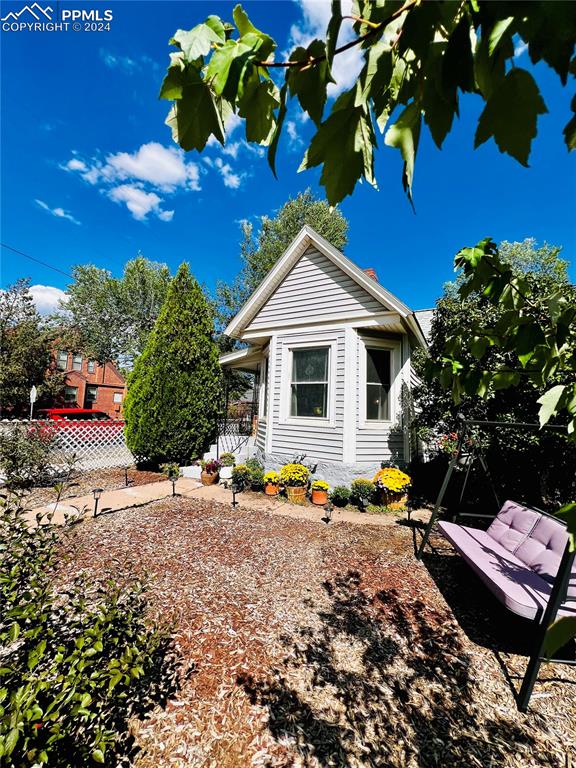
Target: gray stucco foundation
[{"x": 334, "y": 473}]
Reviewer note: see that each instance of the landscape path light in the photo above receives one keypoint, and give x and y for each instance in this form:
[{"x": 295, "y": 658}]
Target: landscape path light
[{"x": 97, "y": 492}]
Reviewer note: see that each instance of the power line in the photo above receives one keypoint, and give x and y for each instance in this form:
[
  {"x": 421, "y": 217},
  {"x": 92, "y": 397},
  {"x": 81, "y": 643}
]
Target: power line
[{"x": 43, "y": 263}]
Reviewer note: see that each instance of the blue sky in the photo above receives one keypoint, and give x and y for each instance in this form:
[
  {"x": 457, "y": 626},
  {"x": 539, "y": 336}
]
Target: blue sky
[{"x": 90, "y": 174}]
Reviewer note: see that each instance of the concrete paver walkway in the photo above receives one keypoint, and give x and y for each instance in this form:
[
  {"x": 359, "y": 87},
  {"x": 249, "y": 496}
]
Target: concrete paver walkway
[{"x": 136, "y": 496}]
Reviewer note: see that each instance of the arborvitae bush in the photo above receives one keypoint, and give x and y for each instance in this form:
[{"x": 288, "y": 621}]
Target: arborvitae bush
[{"x": 174, "y": 392}]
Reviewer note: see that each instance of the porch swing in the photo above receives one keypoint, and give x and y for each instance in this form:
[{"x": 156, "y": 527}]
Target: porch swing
[{"x": 524, "y": 556}]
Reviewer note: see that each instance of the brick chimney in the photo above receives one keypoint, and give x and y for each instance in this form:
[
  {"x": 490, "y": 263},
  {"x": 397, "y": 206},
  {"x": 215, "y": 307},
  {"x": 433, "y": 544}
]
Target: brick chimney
[{"x": 371, "y": 273}]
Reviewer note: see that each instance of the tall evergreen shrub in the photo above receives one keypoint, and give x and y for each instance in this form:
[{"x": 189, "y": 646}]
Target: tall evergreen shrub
[{"x": 175, "y": 390}]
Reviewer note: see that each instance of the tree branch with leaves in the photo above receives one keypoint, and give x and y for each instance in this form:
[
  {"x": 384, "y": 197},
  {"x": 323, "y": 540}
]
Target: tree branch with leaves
[{"x": 419, "y": 58}]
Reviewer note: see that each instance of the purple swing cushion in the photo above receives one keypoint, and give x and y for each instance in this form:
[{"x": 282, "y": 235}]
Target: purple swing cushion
[{"x": 517, "y": 558}]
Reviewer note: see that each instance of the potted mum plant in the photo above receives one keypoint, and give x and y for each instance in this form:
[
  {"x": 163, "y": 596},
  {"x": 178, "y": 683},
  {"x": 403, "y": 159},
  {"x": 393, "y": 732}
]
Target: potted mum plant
[
  {"x": 271, "y": 483},
  {"x": 227, "y": 460},
  {"x": 294, "y": 478},
  {"x": 320, "y": 492},
  {"x": 210, "y": 472},
  {"x": 392, "y": 487}
]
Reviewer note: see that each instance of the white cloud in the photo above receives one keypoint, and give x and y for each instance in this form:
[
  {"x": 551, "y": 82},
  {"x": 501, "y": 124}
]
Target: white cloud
[
  {"x": 231, "y": 180},
  {"x": 520, "y": 49},
  {"x": 76, "y": 165},
  {"x": 139, "y": 178},
  {"x": 231, "y": 149},
  {"x": 292, "y": 131},
  {"x": 47, "y": 298},
  {"x": 114, "y": 61},
  {"x": 139, "y": 202},
  {"x": 60, "y": 213},
  {"x": 316, "y": 15},
  {"x": 162, "y": 167}
]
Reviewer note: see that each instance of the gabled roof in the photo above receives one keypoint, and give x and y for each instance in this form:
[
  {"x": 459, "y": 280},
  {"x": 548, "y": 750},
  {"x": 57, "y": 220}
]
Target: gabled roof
[
  {"x": 424, "y": 318},
  {"x": 306, "y": 237}
]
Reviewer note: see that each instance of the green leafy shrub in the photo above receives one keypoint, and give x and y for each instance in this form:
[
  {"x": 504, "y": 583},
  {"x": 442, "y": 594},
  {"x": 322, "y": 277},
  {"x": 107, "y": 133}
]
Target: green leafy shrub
[
  {"x": 26, "y": 452},
  {"x": 174, "y": 392},
  {"x": 227, "y": 459},
  {"x": 241, "y": 475},
  {"x": 257, "y": 479},
  {"x": 171, "y": 470},
  {"x": 256, "y": 474},
  {"x": 76, "y": 666},
  {"x": 340, "y": 496},
  {"x": 254, "y": 464},
  {"x": 362, "y": 490}
]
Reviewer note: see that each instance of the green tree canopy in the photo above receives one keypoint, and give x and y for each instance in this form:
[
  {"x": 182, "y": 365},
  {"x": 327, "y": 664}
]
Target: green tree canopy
[
  {"x": 25, "y": 347},
  {"x": 261, "y": 250},
  {"x": 110, "y": 318},
  {"x": 512, "y": 454},
  {"x": 419, "y": 58},
  {"x": 174, "y": 392}
]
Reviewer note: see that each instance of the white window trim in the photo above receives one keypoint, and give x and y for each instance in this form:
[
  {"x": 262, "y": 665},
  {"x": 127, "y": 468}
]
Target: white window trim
[
  {"x": 395, "y": 347},
  {"x": 287, "y": 349},
  {"x": 264, "y": 387}
]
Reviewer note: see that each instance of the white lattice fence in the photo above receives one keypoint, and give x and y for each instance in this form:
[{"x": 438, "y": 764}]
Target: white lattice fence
[{"x": 96, "y": 444}]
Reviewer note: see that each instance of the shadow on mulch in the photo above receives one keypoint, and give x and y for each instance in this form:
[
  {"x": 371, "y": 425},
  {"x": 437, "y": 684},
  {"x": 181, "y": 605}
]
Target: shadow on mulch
[
  {"x": 403, "y": 692},
  {"x": 481, "y": 617}
]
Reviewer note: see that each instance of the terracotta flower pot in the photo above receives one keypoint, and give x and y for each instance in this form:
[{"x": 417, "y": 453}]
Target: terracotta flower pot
[
  {"x": 209, "y": 478},
  {"x": 319, "y": 497},
  {"x": 271, "y": 489},
  {"x": 296, "y": 494}
]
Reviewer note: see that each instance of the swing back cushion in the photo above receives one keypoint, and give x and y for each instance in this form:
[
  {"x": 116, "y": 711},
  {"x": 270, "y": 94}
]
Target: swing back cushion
[{"x": 517, "y": 557}]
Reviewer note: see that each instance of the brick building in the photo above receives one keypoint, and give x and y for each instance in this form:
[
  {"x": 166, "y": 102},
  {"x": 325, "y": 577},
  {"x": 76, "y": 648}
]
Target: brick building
[{"x": 91, "y": 385}]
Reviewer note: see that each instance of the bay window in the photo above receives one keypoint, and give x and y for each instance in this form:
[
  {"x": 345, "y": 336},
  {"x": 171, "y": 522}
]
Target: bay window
[{"x": 309, "y": 383}]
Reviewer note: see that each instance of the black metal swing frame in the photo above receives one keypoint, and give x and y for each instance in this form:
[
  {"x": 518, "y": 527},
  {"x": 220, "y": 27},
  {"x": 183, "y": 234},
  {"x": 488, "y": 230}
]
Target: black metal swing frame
[{"x": 561, "y": 582}]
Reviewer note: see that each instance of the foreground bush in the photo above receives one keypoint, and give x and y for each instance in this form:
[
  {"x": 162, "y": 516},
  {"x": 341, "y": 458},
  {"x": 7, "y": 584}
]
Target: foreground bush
[
  {"x": 25, "y": 454},
  {"x": 75, "y": 666}
]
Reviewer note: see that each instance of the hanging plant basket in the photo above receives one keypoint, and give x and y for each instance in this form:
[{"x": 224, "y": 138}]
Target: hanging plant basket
[{"x": 296, "y": 494}]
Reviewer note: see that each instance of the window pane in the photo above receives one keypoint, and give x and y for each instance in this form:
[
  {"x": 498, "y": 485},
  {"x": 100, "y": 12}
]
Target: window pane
[
  {"x": 310, "y": 365},
  {"x": 70, "y": 394},
  {"x": 77, "y": 362},
  {"x": 62, "y": 362},
  {"x": 91, "y": 366},
  {"x": 309, "y": 400},
  {"x": 117, "y": 397},
  {"x": 91, "y": 394},
  {"x": 378, "y": 366},
  {"x": 377, "y": 402}
]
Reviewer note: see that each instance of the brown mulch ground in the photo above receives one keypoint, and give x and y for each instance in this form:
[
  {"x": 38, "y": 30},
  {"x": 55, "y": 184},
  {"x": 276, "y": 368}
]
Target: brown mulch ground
[
  {"x": 82, "y": 483},
  {"x": 310, "y": 645}
]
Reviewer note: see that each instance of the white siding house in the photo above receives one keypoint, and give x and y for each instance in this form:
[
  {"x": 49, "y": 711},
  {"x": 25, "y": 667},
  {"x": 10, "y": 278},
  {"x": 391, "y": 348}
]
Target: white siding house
[{"x": 332, "y": 350}]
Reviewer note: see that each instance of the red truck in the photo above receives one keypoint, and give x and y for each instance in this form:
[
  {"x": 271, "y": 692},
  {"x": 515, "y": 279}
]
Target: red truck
[{"x": 72, "y": 414}]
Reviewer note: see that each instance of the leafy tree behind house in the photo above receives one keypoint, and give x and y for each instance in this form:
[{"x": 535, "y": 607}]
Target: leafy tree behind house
[
  {"x": 25, "y": 352},
  {"x": 419, "y": 59},
  {"x": 174, "y": 392},
  {"x": 261, "y": 250},
  {"x": 110, "y": 318},
  {"x": 534, "y": 466}
]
